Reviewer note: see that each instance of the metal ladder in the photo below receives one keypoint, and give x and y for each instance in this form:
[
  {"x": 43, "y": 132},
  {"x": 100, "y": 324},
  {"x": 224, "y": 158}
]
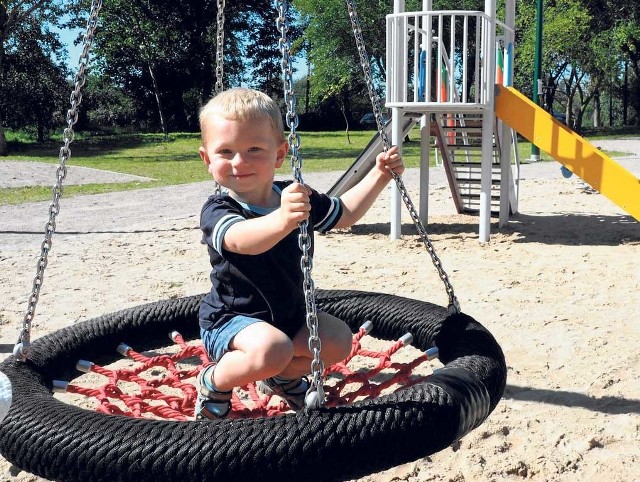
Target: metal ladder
[{"x": 459, "y": 138}]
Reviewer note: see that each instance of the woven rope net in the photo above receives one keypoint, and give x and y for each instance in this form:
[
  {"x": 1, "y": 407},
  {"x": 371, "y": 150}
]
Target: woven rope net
[{"x": 162, "y": 385}]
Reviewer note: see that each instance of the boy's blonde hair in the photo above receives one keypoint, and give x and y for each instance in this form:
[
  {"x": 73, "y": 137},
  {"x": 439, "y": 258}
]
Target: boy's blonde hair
[{"x": 239, "y": 104}]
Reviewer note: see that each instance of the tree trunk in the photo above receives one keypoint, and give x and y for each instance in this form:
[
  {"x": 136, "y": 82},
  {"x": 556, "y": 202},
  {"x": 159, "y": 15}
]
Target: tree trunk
[
  {"x": 4, "y": 149},
  {"x": 156, "y": 92},
  {"x": 635, "y": 98},
  {"x": 549, "y": 94},
  {"x": 346, "y": 120},
  {"x": 569, "y": 111},
  {"x": 597, "y": 114},
  {"x": 577, "y": 123},
  {"x": 40, "y": 131},
  {"x": 570, "y": 93},
  {"x": 625, "y": 94},
  {"x": 308, "y": 86}
]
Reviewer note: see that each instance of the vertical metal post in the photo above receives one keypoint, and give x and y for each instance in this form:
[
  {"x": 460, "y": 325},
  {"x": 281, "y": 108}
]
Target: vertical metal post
[
  {"x": 396, "y": 118},
  {"x": 465, "y": 57},
  {"x": 537, "y": 70},
  {"x": 425, "y": 120},
  {"x": 489, "y": 74},
  {"x": 506, "y": 175}
]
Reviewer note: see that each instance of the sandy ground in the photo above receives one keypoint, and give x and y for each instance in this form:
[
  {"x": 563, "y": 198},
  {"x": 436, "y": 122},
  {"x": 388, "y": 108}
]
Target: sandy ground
[{"x": 558, "y": 287}]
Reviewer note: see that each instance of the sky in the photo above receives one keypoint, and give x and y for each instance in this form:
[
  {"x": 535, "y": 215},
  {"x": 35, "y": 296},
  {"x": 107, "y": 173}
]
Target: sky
[{"x": 67, "y": 37}]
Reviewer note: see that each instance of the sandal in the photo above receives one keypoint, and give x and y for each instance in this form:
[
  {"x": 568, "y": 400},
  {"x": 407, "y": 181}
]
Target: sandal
[
  {"x": 211, "y": 403},
  {"x": 292, "y": 391}
]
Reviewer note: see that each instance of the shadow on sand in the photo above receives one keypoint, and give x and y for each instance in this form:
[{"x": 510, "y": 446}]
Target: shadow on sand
[
  {"x": 612, "y": 405},
  {"x": 562, "y": 229}
]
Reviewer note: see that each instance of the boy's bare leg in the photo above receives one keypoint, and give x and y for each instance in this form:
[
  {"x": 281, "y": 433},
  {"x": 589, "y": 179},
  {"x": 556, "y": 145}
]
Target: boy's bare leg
[
  {"x": 335, "y": 338},
  {"x": 261, "y": 351},
  {"x": 258, "y": 351}
]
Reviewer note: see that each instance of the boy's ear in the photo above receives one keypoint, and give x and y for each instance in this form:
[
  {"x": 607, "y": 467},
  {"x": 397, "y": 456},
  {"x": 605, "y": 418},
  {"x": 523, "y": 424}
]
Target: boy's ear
[
  {"x": 283, "y": 149},
  {"x": 204, "y": 156}
]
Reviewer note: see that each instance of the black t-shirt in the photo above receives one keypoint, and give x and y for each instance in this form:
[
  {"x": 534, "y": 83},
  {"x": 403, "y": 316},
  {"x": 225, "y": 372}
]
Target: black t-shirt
[{"x": 267, "y": 286}]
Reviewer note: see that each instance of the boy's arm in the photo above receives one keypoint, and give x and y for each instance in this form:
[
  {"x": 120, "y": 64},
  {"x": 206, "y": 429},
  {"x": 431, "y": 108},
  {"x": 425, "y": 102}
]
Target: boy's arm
[
  {"x": 357, "y": 200},
  {"x": 257, "y": 235}
]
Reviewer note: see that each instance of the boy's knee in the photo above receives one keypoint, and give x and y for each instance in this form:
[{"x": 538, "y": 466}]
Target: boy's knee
[
  {"x": 338, "y": 344},
  {"x": 276, "y": 353},
  {"x": 264, "y": 347},
  {"x": 345, "y": 346}
]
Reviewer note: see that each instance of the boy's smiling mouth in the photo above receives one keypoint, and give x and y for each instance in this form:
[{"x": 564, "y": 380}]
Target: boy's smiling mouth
[{"x": 241, "y": 176}]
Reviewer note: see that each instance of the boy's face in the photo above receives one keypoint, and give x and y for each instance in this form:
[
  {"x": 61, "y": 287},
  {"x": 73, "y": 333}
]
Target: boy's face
[{"x": 242, "y": 156}]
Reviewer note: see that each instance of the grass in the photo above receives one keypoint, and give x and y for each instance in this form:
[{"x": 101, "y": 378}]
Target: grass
[
  {"x": 167, "y": 162},
  {"x": 175, "y": 160}
]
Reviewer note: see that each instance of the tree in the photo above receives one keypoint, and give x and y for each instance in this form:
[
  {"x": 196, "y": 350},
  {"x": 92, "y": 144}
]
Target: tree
[
  {"x": 263, "y": 50},
  {"x": 162, "y": 53},
  {"x": 626, "y": 36},
  {"x": 105, "y": 105},
  {"x": 336, "y": 73},
  {"x": 35, "y": 92},
  {"x": 585, "y": 45},
  {"x": 565, "y": 32},
  {"x": 142, "y": 56},
  {"x": 19, "y": 20}
]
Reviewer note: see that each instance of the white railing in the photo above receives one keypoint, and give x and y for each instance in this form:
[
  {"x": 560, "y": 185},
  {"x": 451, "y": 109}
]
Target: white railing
[{"x": 439, "y": 57}]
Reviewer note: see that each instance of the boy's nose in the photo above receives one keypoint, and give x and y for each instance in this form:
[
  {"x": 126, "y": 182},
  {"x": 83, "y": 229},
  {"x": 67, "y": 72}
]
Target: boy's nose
[{"x": 237, "y": 159}]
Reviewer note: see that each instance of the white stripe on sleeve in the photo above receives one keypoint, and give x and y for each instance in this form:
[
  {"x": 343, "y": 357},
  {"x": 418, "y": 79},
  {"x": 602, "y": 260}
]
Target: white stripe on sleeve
[
  {"x": 333, "y": 214},
  {"x": 225, "y": 222}
]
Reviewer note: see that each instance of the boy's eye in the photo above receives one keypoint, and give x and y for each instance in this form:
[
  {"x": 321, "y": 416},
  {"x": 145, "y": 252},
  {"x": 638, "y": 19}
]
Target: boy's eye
[{"x": 254, "y": 149}]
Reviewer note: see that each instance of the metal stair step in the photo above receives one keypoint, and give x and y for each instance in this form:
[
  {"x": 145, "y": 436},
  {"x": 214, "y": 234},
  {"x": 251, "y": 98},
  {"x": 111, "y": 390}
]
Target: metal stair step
[
  {"x": 473, "y": 123},
  {"x": 462, "y": 129},
  {"x": 478, "y": 181},
  {"x": 464, "y": 147},
  {"x": 460, "y": 139},
  {"x": 476, "y": 211},
  {"x": 472, "y": 165},
  {"x": 494, "y": 197}
]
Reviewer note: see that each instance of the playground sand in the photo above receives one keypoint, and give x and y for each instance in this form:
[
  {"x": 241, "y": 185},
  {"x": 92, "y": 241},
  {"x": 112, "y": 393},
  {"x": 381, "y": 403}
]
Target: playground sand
[{"x": 558, "y": 287}]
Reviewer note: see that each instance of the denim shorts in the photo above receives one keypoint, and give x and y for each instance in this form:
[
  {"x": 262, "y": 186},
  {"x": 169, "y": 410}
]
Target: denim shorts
[{"x": 216, "y": 340}]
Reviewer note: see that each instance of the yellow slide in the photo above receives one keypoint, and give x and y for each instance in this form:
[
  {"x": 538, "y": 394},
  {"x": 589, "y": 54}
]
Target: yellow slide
[{"x": 565, "y": 146}]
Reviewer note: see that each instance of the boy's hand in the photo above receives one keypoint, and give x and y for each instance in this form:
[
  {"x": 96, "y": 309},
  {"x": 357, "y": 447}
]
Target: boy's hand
[
  {"x": 294, "y": 205},
  {"x": 390, "y": 161}
]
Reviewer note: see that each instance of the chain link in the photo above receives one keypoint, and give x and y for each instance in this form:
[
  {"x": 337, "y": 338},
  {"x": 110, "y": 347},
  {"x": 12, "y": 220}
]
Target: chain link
[
  {"x": 22, "y": 346},
  {"x": 315, "y": 395},
  {"x": 454, "y": 305}
]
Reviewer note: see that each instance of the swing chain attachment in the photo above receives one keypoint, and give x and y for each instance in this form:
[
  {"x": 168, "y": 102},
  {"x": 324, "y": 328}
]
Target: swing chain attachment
[
  {"x": 315, "y": 397},
  {"x": 219, "y": 87},
  {"x": 21, "y": 349},
  {"x": 454, "y": 305}
]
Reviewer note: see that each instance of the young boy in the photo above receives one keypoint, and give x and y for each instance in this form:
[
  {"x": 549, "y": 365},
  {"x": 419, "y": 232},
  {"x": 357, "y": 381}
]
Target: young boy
[{"x": 253, "y": 321}]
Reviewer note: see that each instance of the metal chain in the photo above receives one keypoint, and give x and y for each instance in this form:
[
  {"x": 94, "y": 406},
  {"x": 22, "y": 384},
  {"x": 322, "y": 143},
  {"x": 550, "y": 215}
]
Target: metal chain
[
  {"x": 454, "y": 305},
  {"x": 315, "y": 397},
  {"x": 217, "y": 190},
  {"x": 21, "y": 348},
  {"x": 366, "y": 69},
  {"x": 220, "y": 47}
]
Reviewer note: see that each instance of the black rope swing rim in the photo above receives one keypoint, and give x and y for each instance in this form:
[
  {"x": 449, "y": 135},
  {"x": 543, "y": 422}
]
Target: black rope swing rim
[{"x": 62, "y": 442}]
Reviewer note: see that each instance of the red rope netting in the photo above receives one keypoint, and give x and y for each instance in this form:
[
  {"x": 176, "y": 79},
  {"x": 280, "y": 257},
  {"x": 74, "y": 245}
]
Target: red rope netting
[{"x": 163, "y": 385}]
